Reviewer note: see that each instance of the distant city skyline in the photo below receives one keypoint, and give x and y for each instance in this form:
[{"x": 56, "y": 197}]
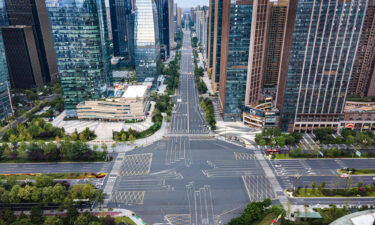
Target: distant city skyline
[
  {"x": 191, "y": 3},
  {"x": 182, "y": 3}
]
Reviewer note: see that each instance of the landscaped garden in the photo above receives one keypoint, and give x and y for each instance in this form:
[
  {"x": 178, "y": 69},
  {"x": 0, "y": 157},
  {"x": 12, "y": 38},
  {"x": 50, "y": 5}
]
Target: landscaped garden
[
  {"x": 39, "y": 129},
  {"x": 360, "y": 190},
  {"x": 274, "y": 137},
  {"x": 209, "y": 112},
  {"x": 50, "y": 152}
]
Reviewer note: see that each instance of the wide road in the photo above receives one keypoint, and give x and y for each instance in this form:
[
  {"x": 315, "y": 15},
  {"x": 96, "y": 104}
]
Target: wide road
[
  {"x": 186, "y": 118},
  {"x": 189, "y": 178}
]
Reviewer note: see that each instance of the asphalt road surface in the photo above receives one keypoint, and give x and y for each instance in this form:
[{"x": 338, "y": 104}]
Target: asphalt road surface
[{"x": 189, "y": 178}]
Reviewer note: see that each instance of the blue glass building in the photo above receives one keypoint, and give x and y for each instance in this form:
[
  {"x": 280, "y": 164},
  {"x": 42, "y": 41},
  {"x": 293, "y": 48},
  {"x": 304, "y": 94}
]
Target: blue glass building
[
  {"x": 320, "y": 46},
  {"x": 80, "y": 32},
  {"x": 5, "y": 101},
  {"x": 122, "y": 22},
  {"x": 146, "y": 39},
  {"x": 163, "y": 21},
  {"x": 235, "y": 43}
]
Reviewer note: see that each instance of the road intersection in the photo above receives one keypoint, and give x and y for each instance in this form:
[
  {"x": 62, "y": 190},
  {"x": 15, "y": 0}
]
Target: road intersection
[{"x": 189, "y": 177}]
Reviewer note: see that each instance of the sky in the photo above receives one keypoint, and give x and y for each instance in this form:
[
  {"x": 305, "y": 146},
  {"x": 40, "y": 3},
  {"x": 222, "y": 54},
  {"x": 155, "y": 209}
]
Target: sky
[
  {"x": 185, "y": 3},
  {"x": 190, "y": 3}
]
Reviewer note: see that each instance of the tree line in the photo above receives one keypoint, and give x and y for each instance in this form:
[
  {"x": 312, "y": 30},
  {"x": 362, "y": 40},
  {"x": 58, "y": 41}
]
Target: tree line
[
  {"x": 348, "y": 136},
  {"x": 72, "y": 217},
  {"x": 45, "y": 191},
  {"x": 274, "y": 137},
  {"x": 50, "y": 152},
  {"x": 39, "y": 129},
  {"x": 209, "y": 112}
]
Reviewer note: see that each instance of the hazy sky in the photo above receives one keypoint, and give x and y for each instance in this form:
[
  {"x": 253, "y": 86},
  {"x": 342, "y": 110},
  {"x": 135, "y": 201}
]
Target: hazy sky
[
  {"x": 189, "y": 3},
  {"x": 185, "y": 3}
]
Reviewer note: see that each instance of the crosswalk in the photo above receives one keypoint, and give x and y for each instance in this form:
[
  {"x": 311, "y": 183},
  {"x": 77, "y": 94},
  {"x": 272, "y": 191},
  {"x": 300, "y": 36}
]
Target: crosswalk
[{"x": 200, "y": 205}]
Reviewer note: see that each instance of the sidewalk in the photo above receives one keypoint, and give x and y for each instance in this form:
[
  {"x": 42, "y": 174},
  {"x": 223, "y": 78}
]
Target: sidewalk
[
  {"x": 237, "y": 130},
  {"x": 103, "y": 130},
  {"x": 158, "y": 135}
]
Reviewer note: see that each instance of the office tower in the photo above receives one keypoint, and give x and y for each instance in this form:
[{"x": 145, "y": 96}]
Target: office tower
[
  {"x": 275, "y": 37},
  {"x": 363, "y": 77},
  {"x": 257, "y": 52},
  {"x": 216, "y": 48},
  {"x": 122, "y": 21},
  {"x": 210, "y": 34},
  {"x": 163, "y": 21},
  {"x": 33, "y": 13},
  {"x": 5, "y": 99},
  {"x": 171, "y": 24},
  {"x": 22, "y": 55},
  {"x": 175, "y": 17},
  {"x": 146, "y": 39},
  {"x": 321, "y": 43},
  {"x": 200, "y": 24},
  {"x": 81, "y": 41},
  {"x": 235, "y": 43},
  {"x": 109, "y": 23},
  {"x": 179, "y": 17}
]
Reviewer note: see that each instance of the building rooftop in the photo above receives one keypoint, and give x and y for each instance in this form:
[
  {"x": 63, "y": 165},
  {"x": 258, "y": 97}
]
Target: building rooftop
[
  {"x": 135, "y": 91},
  {"x": 358, "y": 218}
]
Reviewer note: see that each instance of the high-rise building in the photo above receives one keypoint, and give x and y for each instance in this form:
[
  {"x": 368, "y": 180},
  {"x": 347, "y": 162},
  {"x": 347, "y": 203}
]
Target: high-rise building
[
  {"x": 320, "y": 46},
  {"x": 216, "y": 47},
  {"x": 81, "y": 41},
  {"x": 275, "y": 38},
  {"x": 171, "y": 24},
  {"x": 257, "y": 52},
  {"x": 235, "y": 43},
  {"x": 210, "y": 34},
  {"x": 163, "y": 21},
  {"x": 200, "y": 25},
  {"x": 146, "y": 39},
  {"x": 33, "y": 13},
  {"x": 363, "y": 76},
  {"x": 22, "y": 55},
  {"x": 109, "y": 23},
  {"x": 5, "y": 99},
  {"x": 122, "y": 21}
]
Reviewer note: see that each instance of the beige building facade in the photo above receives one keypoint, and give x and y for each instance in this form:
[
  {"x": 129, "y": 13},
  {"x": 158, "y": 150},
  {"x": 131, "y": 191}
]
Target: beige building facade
[{"x": 132, "y": 105}]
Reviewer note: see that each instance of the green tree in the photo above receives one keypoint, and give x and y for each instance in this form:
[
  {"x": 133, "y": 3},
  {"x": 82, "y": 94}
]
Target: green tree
[
  {"x": 8, "y": 216},
  {"x": 131, "y": 139},
  {"x": 43, "y": 181},
  {"x": 53, "y": 220},
  {"x": 36, "y": 215}
]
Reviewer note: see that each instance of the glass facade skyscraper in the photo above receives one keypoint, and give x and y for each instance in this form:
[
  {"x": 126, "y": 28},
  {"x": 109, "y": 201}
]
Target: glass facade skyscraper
[
  {"x": 146, "y": 39},
  {"x": 236, "y": 30},
  {"x": 80, "y": 32},
  {"x": 320, "y": 46},
  {"x": 122, "y": 21},
  {"x": 216, "y": 48},
  {"x": 5, "y": 101},
  {"x": 163, "y": 21}
]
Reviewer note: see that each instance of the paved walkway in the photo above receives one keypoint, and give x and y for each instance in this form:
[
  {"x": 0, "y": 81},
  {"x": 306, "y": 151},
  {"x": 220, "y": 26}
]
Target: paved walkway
[
  {"x": 103, "y": 130},
  {"x": 126, "y": 147}
]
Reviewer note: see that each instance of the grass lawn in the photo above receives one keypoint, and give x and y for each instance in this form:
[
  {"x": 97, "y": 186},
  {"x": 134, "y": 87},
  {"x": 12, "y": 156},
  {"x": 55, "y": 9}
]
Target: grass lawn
[
  {"x": 267, "y": 220},
  {"x": 359, "y": 172},
  {"x": 283, "y": 156},
  {"x": 303, "y": 192},
  {"x": 124, "y": 219},
  {"x": 52, "y": 175}
]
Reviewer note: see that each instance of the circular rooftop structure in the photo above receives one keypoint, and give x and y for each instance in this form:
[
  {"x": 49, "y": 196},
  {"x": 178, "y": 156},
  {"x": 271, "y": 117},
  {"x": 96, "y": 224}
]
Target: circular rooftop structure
[{"x": 366, "y": 217}]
